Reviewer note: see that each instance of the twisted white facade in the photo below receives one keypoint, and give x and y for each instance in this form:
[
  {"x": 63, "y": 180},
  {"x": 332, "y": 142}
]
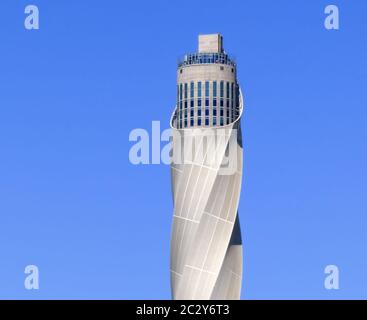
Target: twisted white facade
[{"x": 206, "y": 246}]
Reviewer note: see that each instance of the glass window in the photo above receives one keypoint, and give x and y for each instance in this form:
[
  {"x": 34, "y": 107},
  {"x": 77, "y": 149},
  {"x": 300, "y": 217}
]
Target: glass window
[
  {"x": 221, "y": 121},
  {"x": 199, "y": 102},
  {"x": 221, "y": 89},
  {"x": 199, "y": 112},
  {"x": 233, "y": 97},
  {"x": 192, "y": 112},
  {"x": 214, "y": 102},
  {"x": 227, "y": 89},
  {"x": 214, "y": 112},
  {"x": 192, "y": 122},
  {"x": 206, "y": 88},
  {"x": 185, "y": 90},
  {"x": 185, "y": 104},
  {"x": 221, "y": 112},
  {"x": 207, "y": 112},
  {"x": 221, "y": 102},
  {"x": 207, "y": 102},
  {"x": 185, "y": 123},
  {"x": 181, "y": 91},
  {"x": 199, "y": 89},
  {"x": 237, "y": 95},
  {"x": 214, "y": 88},
  {"x": 214, "y": 121},
  {"x": 192, "y": 89},
  {"x": 199, "y": 121},
  {"x": 191, "y": 103},
  {"x": 206, "y": 121}
]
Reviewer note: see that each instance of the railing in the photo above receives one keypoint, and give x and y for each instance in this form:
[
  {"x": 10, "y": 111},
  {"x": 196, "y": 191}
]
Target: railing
[{"x": 206, "y": 58}]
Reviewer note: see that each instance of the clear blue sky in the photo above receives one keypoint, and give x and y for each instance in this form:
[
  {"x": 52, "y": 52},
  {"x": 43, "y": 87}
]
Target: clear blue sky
[{"x": 97, "y": 226}]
